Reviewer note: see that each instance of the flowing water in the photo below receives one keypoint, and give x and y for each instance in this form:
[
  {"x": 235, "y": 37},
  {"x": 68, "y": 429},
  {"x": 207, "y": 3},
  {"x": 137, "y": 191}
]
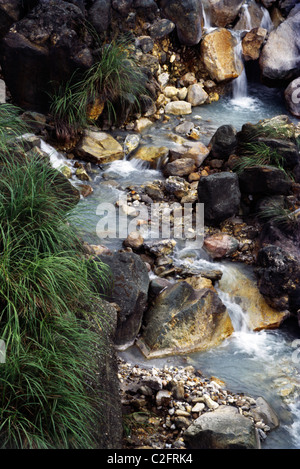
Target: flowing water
[{"x": 257, "y": 363}]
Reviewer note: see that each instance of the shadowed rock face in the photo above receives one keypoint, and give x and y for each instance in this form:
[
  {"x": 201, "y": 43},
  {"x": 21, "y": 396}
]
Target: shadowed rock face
[
  {"x": 187, "y": 17},
  {"x": 47, "y": 45},
  {"x": 182, "y": 320}
]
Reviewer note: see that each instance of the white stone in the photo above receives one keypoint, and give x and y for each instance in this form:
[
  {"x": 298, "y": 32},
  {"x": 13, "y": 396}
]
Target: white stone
[{"x": 178, "y": 108}]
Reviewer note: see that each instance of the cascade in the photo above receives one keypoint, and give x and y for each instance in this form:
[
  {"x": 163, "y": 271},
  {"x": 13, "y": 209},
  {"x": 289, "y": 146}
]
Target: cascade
[{"x": 266, "y": 21}]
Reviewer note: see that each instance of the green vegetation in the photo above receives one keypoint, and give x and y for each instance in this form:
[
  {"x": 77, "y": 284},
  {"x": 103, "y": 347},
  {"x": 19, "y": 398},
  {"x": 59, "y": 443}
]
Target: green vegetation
[
  {"x": 258, "y": 154},
  {"x": 280, "y": 216},
  {"x": 115, "y": 81},
  {"x": 46, "y": 385}
]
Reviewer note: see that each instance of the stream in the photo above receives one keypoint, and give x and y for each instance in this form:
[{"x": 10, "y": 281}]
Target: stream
[{"x": 257, "y": 363}]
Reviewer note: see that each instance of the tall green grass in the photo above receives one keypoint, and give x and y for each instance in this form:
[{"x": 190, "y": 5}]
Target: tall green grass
[
  {"x": 115, "y": 80},
  {"x": 47, "y": 303}
]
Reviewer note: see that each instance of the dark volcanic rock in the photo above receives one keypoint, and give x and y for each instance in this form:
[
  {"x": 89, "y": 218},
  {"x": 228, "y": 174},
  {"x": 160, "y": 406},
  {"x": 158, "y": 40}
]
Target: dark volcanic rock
[
  {"x": 187, "y": 16},
  {"x": 46, "y": 46},
  {"x": 265, "y": 180},
  {"x": 130, "y": 292},
  {"x": 221, "y": 196},
  {"x": 223, "y": 142}
]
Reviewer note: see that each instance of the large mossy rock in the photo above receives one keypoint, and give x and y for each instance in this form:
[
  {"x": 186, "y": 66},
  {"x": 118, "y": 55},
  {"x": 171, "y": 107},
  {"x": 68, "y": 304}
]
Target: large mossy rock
[
  {"x": 46, "y": 46},
  {"x": 183, "y": 320},
  {"x": 129, "y": 292},
  {"x": 225, "y": 428},
  {"x": 280, "y": 60},
  {"x": 211, "y": 190}
]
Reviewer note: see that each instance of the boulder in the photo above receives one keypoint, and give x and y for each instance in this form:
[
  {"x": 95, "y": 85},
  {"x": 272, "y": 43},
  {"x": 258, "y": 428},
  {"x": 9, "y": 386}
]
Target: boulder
[
  {"x": 278, "y": 274},
  {"x": 48, "y": 40},
  {"x": 98, "y": 147},
  {"x": 224, "y": 12},
  {"x": 187, "y": 17},
  {"x": 161, "y": 28},
  {"x": 252, "y": 43},
  {"x": 197, "y": 151},
  {"x": 292, "y": 97},
  {"x": 10, "y": 12},
  {"x": 196, "y": 95},
  {"x": 184, "y": 320},
  {"x": 211, "y": 190},
  {"x": 223, "y": 142},
  {"x": 220, "y": 245},
  {"x": 180, "y": 167},
  {"x": 129, "y": 292},
  {"x": 218, "y": 55},
  {"x": 263, "y": 411},
  {"x": 225, "y": 428},
  {"x": 155, "y": 156},
  {"x": 251, "y": 16},
  {"x": 264, "y": 180},
  {"x": 280, "y": 60},
  {"x": 178, "y": 108}
]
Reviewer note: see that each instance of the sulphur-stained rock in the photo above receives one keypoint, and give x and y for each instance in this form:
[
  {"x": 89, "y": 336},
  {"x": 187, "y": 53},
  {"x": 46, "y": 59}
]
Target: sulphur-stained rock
[
  {"x": 177, "y": 186},
  {"x": 292, "y": 97},
  {"x": 183, "y": 320},
  {"x": 187, "y": 17},
  {"x": 217, "y": 50},
  {"x": 220, "y": 245},
  {"x": 280, "y": 60},
  {"x": 242, "y": 287},
  {"x": 225, "y": 428},
  {"x": 142, "y": 124},
  {"x": 99, "y": 147},
  {"x": 156, "y": 156},
  {"x": 134, "y": 240},
  {"x": 252, "y": 43}
]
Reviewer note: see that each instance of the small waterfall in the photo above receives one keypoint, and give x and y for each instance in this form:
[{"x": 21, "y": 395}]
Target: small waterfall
[
  {"x": 246, "y": 14},
  {"x": 266, "y": 21},
  {"x": 206, "y": 17},
  {"x": 239, "y": 85}
]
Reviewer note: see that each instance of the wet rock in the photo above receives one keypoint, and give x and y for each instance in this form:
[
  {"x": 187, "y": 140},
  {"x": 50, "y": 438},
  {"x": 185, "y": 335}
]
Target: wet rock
[
  {"x": 187, "y": 17},
  {"x": 253, "y": 14},
  {"x": 178, "y": 108},
  {"x": 10, "y": 12},
  {"x": 142, "y": 124},
  {"x": 223, "y": 142},
  {"x": 85, "y": 190},
  {"x": 279, "y": 60},
  {"x": 252, "y": 43},
  {"x": 156, "y": 156},
  {"x": 183, "y": 320},
  {"x": 160, "y": 248},
  {"x": 223, "y": 13},
  {"x": 196, "y": 95},
  {"x": 98, "y": 147},
  {"x": 130, "y": 292},
  {"x": 224, "y": 428},
  {"x": 155, "y": 190},
  {"x": 185, "y": 127},
  {"x": 265, "y": 180},
  {"x": 278, "y": 275},
  {"x": 82, "y": 174},
  {"x": 217, "y": 50},
  {"x": 134, "y": 240},
  {"x": 220, "y": 245},
  {"x": 180, "y": 167},
  {"x": 292, "y": 97},
  {"x": 211, "y": 190},
  {"x": 177, "y": 186},
  {"x": 263, "y": 411},
  {"x": 146, "y": 43}
]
